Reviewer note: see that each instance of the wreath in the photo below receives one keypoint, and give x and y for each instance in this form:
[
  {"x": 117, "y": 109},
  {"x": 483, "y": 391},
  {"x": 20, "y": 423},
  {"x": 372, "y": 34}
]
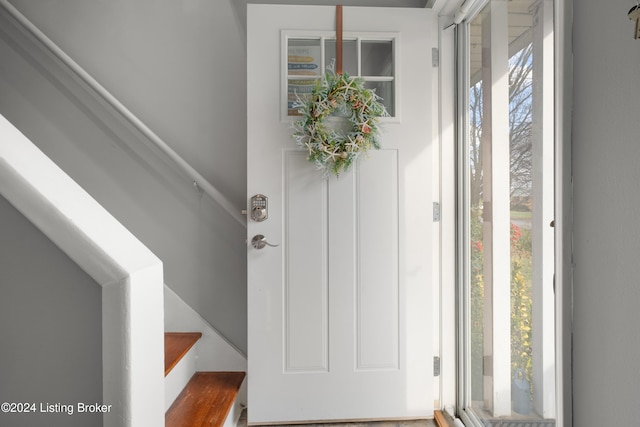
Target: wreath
[{"x": 338, "y": 95}]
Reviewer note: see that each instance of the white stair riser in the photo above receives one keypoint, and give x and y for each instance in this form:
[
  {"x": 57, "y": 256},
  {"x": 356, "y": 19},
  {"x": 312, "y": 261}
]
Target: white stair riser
[
  {"x": 179, "y": 376},
  {"x": 214, "y": 352}
]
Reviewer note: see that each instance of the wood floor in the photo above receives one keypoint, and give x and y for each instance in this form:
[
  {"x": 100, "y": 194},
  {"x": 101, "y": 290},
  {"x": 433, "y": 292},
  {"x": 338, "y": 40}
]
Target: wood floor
[{"x": 413, "y": 423}]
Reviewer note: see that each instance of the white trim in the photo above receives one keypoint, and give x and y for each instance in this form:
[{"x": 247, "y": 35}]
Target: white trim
[
  {"x": 447, "y": 123},
  {"x": 463, "y": 10},
  {"x": 468, "y": 9},
  {"x": 462, "y": 223},
  {"x": 130, "y": 275},
  {"x": 563, "y": 24},
  {"x": 543, "y": 165},
  {"x": 111, "y": 104},
  {"x": 180, "y": 316}
]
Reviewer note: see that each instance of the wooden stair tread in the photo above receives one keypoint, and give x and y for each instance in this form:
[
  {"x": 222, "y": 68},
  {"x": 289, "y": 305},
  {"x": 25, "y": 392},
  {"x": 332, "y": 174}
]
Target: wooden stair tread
[
  {"x": 206, "y": 400},
  {"x": 176, "y": 345}
]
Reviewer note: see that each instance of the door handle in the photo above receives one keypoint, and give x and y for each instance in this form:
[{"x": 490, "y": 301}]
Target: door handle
[{"x": 259, "y": 242}]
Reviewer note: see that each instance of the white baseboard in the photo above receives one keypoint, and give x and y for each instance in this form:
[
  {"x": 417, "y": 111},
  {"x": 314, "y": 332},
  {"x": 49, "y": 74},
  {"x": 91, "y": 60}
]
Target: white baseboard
[{"x": 234, "y": 414}]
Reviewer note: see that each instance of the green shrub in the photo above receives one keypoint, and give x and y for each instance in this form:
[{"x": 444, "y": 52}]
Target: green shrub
[{"x": 521, "y": 301}]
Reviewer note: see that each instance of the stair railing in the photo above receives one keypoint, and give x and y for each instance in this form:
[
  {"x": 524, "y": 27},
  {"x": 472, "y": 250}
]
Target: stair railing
[{"x": 199, "y": 181}]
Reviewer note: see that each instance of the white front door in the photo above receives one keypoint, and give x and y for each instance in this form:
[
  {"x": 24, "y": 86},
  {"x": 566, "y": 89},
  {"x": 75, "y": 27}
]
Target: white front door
[{"x": 340, "y": 312}]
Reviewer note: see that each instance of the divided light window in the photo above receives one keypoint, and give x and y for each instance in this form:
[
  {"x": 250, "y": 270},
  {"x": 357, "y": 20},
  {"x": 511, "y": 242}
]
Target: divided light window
[
  {"x": 371, "y": 57},
  {"x": 509, "y": 334}
]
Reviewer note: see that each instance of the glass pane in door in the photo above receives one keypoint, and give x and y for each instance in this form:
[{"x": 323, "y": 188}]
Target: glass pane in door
[
  {"x": 349, "y": 55},
  {"x": 377, "y": 58},
  {"x": 304, "y": 67},
  {"x": 385, "y": 90}
]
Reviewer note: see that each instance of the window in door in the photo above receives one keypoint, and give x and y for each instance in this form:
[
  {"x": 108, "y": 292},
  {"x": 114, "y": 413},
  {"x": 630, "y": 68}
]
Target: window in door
[
  {"x": 371, "y": 57},
  {"x": 508, "y": 287}
]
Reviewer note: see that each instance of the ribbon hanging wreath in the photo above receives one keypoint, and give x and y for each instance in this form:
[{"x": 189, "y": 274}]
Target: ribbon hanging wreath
[{"x": 338, "y": 95}]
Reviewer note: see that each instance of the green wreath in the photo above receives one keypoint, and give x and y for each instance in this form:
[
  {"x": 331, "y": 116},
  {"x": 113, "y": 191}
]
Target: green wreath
[{"x": 330, "y": 149}]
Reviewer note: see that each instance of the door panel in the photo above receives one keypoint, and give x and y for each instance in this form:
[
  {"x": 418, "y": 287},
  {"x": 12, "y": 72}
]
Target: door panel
[
  {"x": 377, "y": 281},
  {"x": 340, "y": 325},
  {"x": 306, "y": 268}
]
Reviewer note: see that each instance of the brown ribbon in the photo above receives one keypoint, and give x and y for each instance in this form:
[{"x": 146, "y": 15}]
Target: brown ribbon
[{"x": 339, "y": 39}]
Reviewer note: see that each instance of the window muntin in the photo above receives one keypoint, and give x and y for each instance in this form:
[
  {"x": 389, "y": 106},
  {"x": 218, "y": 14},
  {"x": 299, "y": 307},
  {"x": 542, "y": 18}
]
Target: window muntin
[{"x": 371, "y": 56}]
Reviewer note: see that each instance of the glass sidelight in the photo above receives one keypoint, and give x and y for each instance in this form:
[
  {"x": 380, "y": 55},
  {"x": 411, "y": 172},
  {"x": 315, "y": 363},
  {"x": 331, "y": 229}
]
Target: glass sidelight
[{"x": 509, "y": 334}]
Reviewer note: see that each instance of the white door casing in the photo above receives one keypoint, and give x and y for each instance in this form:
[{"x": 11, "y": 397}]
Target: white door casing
[{"x": 340, "y": 318}]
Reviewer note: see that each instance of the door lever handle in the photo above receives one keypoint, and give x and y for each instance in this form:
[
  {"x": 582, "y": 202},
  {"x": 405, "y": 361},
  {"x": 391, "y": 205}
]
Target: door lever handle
[{"x": 259, "y": 242}]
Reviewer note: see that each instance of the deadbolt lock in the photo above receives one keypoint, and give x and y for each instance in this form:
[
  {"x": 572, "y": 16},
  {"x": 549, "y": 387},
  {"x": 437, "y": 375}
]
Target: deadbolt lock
[{"x": 259, "y": 208}]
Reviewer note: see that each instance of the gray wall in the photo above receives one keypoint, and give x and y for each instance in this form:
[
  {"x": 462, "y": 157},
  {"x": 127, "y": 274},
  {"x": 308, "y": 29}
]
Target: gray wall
[
  {"x": 50, "y": 327},
  {"x": 179, "y": 66},
  {"x": 606, "y": 164}
]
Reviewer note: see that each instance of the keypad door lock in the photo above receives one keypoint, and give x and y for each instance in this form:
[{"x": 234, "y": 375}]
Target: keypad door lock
[{"x": 259, "y": 208}]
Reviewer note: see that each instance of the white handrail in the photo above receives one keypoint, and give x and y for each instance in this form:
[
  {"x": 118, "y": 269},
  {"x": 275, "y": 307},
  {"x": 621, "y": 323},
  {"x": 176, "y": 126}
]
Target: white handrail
[{"x": 200, "y": 182}]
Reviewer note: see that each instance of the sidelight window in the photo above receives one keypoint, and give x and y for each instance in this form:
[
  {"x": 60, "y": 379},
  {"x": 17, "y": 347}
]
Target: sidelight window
[{"x": 508, "y": 368}]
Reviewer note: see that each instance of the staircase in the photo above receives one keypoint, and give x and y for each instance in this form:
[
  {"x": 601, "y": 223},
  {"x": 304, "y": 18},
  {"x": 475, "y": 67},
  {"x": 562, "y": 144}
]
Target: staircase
[
  {"x": 195, "y": 399},
  {"x": 130, "y": 274}
]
